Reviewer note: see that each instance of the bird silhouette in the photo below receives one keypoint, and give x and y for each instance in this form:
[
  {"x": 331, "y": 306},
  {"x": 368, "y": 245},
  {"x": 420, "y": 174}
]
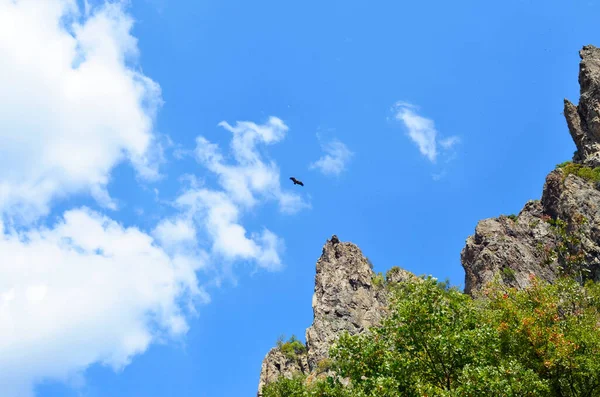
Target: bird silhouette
[{"x": 296, "y": 181}]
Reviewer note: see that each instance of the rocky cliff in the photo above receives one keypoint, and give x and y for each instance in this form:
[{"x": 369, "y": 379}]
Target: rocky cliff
[
  {"x": 348, "y": 297},
  {"x": 560, "y": 233}
]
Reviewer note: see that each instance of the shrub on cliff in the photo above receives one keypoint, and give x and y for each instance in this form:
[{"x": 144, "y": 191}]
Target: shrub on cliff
[{"x": 436, "y": 341}]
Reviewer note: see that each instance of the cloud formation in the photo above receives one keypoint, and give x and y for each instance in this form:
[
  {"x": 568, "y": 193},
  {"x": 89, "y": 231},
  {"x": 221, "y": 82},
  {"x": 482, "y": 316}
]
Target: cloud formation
[
  {"x": 86, "y": 290},
  {"x": 251, "y": 177},
  {"x": 73, "y": 104},
  {"x": 244, "y": 184},
  {"x": 422, "y": 131},
  {"x": 336, "y": 158}
]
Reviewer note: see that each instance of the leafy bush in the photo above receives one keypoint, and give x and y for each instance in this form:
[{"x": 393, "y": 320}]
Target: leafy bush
[
  {"x": 324, "y": 365},
  {"x": 508, "y": 273},
  {"x": 291, "y": 348},
  {"x": 513, "y": 217},
  {"x": 378, "y": 280},
  {"x": 587, "y": 173},
  {"x": 286, "y": 387},
  {"x": 568, "y": 249},
  {"x": 436, "y": 341}
]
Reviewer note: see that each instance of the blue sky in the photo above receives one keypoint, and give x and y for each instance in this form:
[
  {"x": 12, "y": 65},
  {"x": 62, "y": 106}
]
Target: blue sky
[{"x": 151, "y": 241}]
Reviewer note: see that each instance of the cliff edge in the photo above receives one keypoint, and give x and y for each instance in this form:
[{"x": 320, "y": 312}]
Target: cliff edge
[{"x": 560, "y": 233}]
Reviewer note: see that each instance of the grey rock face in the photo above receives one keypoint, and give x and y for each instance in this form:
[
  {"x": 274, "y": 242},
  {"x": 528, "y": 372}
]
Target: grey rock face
[
  {"x": 503, "y": 243},
  {"x": 345, "y": 299},
  {"x": 516, "y": 248},
  {"x": 277, "y": 364},
  {"x": 583, "y": 120},
  {"x": 398, "y": 275}
]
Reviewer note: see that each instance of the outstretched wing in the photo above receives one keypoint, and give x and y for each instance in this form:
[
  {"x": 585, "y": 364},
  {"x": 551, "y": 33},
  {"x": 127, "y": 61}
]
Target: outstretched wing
[{"x": 296, "y": 181}]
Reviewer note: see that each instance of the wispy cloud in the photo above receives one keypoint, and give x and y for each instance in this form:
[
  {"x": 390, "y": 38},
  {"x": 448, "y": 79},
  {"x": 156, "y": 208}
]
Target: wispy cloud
[
  {"x": 335, "y": 160},
  {"x": 249, "y": 181},
  {"x": 422, "y": 131},
  {"x": 449, "y": 143},
  {"x": 252, "y": 177}
]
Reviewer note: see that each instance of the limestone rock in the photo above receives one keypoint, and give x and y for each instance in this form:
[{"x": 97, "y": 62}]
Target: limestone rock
[
  {"x": 277, "y": 364},
  {"x": 583, "y": 120},
  {"x": 345, "y": 299},
  {"x": 516, "y": 248},
  {"x": 398, "y": 275}
]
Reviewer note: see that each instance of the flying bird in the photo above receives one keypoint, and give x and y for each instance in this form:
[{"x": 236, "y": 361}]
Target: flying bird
[{"x": 296, "y": 181}]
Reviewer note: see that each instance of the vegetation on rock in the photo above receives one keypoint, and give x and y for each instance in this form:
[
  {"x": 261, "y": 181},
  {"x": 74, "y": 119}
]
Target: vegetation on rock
[
  {"x": 291, "y": 348},
  {"x": 587, "y": 173},
  {"x": 378, "y": 280},
  {"x": 394, "y": 270},
  {"x": 567, "y": 250},
  {"x": 436, "y": 341}
]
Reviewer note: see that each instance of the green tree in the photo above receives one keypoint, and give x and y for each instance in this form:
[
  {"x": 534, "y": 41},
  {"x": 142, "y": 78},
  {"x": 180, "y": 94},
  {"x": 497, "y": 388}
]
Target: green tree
[{"x": 436, "y": 341}]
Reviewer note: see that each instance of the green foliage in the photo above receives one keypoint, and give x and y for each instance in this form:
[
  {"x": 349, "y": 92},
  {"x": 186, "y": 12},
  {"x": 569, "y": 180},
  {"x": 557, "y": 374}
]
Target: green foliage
[
  {"x": 378, "y": 280},
  {"x": 436, "y": 341},
  {"x": 513, "y": 217},
  {"x": 508, "y": 273},
  {"x": 551, "y": 330},
  {"x": 567, "y": 250},
  {"x": 291, "y": 348},
  {"x": 324, "y": 365},
  {"x": 286, "y": 387},
  {"x": 587, "y": 173}
]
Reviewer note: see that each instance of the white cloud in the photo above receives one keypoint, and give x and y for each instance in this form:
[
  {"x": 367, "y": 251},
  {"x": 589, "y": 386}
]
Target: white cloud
[
  {"x": 219, "y": 216},
  {"x": 248, "y": 182},
  {"x": 73, "y": 106},
  {"x": 89, "y": 290},
  {"x": 86, "y": 290},
  {"x": 252, "y": 178},
  {"x": 336, "y": 158},
  {"x": 449, "y": 143},
  {"x": 174, "y": 232},
  {"x": 422, "y": 131}
]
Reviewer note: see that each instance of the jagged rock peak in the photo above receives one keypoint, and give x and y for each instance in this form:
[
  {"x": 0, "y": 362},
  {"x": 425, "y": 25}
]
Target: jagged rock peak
[
  {"x": 583, "y": 120},
  {"x": 344, "y": 299}
]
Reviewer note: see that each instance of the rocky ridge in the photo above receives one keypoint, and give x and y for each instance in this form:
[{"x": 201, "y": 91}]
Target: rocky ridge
[{"x": 560, "y": 233}]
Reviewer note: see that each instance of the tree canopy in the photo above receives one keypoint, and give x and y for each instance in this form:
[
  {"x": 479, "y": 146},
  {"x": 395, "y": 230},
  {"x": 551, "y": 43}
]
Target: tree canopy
[{"x": 437, "y": 341}]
